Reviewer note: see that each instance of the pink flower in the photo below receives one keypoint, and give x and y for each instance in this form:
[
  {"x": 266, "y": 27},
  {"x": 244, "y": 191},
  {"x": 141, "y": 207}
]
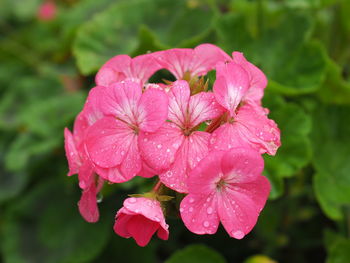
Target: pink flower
[
  {"x": 47, "y": 11},
  {"x": 197, "y": 61},
  {"x": 249, "y": 128},
  {"x": 140, "y": 218},
  {"x": 225, "y": 187},
  {"x": 257, "y": 79},
  {"x": 112, "y": 142},
  {"x": 247, "y": 123},
  {"x": 79, "y": 161},
  {"x": 177, "y": 146},
  {"x": 122, "y": 67}
]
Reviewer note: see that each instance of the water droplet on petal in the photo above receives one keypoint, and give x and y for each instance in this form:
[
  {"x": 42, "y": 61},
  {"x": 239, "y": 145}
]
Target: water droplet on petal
[
  {"x": 191, "y": 200},
  {"x": 168, "y": 150},
  {"x": 145, "y": 139},
  {"x": 99, "y": 198},
  {"x": 159, "y": 146},
  {"x": 209, "y": 210},
  {"x": 191, "y": 209},
  {"x": 238, "y": 234},
  {"x": 132, "y": 200},
  {"x": 206, "y": 224},
  {"x": 181, "y": 210}
]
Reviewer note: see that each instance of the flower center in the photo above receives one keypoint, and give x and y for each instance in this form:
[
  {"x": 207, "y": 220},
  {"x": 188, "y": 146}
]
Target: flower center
[{"x": 220, "y": 185}]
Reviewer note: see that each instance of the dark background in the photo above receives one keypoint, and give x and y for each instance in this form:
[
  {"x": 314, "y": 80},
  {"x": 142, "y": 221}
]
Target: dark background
[{"x": 48, "y": 67}]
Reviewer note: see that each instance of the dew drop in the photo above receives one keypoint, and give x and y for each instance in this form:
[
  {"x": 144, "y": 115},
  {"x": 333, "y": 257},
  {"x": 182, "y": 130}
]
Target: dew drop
[
  {"x": 238, "y": 234},
  {"x": 168, "y": 150},
  {"x": 209, "y": 210},
  {"x": 190, "y": 209},
  {"x": 181, "y": 210},
  {"x": 99, "y": 198},
  {"x": 205, "y": 223},
  {"x": 122, "y": 153},
  {"x": 145, "y": 139},
  {"x": 132, "y": 200},
  {"x": 159, "y": 146},
  {"x": 191, "y": 200}
]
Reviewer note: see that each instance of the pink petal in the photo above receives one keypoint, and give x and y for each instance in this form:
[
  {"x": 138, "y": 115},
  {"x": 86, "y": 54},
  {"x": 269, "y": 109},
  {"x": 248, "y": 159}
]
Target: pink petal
[
  {"x": 152, "y": 110},
  {"x": 121, "y": 222},
  {"x": 108, "y": 140},
  {"x": 132, "y": 164},
  {"x": 242, "y": 165},
  {"x": 80, "y": 126},
  {"x": 240, "y": 204},
  {"x": 203, "y": 178},
  {"x": 92, "y": 110},
  {"x": 256, "y": 128},
  {"x": 72, "y": 154},
  {"x": 199, "y": 213},
  {"x": 112, "y": 70},
  {"x": 147, "y": 171},
  {"x": 141, "y": 229},
  {"x": 86, "y": 173},
  {"x": 196, "y": 61},
  {"x": 158, "y": 149},
  {"x": 179, "y": 96},
  {"x": 192, "y": 150},
  {"x": 142, "y": 68},
  {"x": 257, "y": 79},
  {"x": 205, "y": 58},
  {"x": 198, "y": 147},
  {"x": 88, "y": 205},
  {"x": 202, "y": 107},
  {"x": 120, "y": 100},
  {"x": 175, "y": 177},
  {"x": 232, "y": 82},
  {"x": 113, "y": 174},
  {"x": 177, "y": 61},
  {"x": 226, "y": 137}
]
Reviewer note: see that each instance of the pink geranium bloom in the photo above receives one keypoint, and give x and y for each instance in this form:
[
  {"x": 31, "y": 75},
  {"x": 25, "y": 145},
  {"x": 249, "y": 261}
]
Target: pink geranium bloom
[
  {"x": 112, "y": 142},
  {"x": 140, "y": 218},
  {"x": 247, "y": 123},
  {"x": 177, "y": 147},
  {"x": 197, "y": 61},
  {"x": 79, "y": 161},
  {"x": 122, "y": 67},
  {"x": 257, "y": 79},
  {"x": 47, "y": 11},
  {"x": 225, "y": 187}
]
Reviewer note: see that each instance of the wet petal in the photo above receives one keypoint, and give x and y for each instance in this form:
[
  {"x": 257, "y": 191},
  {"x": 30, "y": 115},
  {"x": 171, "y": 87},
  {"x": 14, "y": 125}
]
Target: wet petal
[
  {"x": 107, "y": 142},
  {"x": 158, "y": 149},
  {"x": 152, "y": 109},
  {"x": 199, "y": 213}
]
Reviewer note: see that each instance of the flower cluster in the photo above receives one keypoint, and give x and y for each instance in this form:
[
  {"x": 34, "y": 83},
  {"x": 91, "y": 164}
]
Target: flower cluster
[{"x": 204, "y": 141}]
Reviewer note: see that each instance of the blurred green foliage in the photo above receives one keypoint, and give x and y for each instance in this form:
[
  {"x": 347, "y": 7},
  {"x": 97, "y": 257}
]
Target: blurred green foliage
[{"x": 47, "y": 68}]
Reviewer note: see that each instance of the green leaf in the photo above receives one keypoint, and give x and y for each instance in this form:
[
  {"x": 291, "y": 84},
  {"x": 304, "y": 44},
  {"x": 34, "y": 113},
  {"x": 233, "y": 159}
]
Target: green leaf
[
  {"x": 49, "y": 117},
  {"x": 38, "y": 231},
  {"x": 338, "y": 248},
  {"x": 115, "y": 30},
  {"x": 295, "y": 151},
  {"x": 26, "y": 146},
  {"x": 196, "y": 254},
  {"x": 10, "y": 183},
  {"x": 331, "y": 148},
  {"x": 23, "y": 93},
  {"x": 335, "y": 89}
]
